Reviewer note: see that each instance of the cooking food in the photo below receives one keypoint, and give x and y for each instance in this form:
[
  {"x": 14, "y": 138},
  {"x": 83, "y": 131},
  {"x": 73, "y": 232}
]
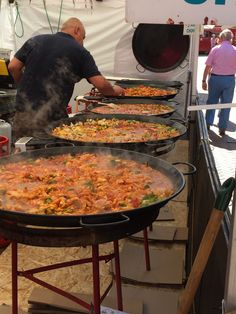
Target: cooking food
[
  {"x": 80, "y": 184},
  {"x": 142, "y": 90},
  {"x": 115, "y": 131},
  {"x": 137, "y": 109}
]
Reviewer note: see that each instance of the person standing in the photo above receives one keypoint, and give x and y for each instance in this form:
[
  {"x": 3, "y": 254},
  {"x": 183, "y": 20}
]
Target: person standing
[
  {"x": 220, "y": 68},
  {"x": 46, "y": 68},
  {"x": 213, "y": 40}
]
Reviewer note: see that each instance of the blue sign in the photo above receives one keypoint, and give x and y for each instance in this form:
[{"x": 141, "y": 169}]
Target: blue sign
[
  {"x": 202, "y": 1},
  {"x": 220, "y": 12}
]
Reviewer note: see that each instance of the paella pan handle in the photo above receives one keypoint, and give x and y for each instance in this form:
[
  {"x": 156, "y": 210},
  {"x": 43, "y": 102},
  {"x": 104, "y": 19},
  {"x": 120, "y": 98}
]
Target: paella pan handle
[
  {"x": 191, "y": 166},
  {"x": 160, "y": 144},
  {"x": 174, "y": 103},
  {"x": 183, "y": 121},
  {"x": 58, "y": 144},
  {"x": 105, "y": 224}
]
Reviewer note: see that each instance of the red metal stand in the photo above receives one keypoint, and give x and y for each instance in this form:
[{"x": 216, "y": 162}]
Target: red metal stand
[
  {"x": 95, "y": 259},
  {"x": 146, "y": 249}
]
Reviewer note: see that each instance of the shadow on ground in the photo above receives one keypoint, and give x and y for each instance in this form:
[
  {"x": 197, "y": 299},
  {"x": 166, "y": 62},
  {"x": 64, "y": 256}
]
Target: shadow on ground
[
  {"x": 227, "y": 141},
  {"x": 231, "y": 126}
]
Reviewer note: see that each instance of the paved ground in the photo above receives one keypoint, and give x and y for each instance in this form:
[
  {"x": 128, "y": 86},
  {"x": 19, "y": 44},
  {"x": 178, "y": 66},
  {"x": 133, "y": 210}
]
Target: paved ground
[{"x": 223, "y": 148}]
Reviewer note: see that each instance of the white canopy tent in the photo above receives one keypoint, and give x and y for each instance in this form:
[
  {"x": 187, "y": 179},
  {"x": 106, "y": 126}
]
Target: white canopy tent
[{"x": 109, "y": 36}]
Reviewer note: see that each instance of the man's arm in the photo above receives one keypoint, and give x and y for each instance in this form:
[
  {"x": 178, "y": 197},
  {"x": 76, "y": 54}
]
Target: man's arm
[
  {"x": 204, "y": 78},
  {"x": 104, "y": 86},
  {"x": 15, "y": 67}
]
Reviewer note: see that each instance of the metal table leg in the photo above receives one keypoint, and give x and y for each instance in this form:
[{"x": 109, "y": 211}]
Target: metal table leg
[
  {"x": 14, "y": 278},
  {"x": 146, "y": 248}
]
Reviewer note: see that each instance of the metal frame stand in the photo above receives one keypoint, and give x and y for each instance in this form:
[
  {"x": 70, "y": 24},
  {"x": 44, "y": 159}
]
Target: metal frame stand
[
  {"x": 146, "y": 249},
  {"x": 95, "y": 259}
]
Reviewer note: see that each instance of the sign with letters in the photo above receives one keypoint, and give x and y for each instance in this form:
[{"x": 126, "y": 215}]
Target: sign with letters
[
  {"x": 217, "y": 12},
  {"x": 189, "y": 29}
]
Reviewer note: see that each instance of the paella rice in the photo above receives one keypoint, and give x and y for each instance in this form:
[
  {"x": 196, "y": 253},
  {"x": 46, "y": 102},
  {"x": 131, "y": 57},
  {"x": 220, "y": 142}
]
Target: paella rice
[
  {"x": 80, "y": 184},
  {"x": 115, "y": 131}
]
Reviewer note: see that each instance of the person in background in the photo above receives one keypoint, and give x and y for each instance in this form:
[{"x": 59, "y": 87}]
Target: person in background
[
  {"x": 220, "y": 68},
  {"x": 213, "y": 40},
  {"x": 45, "y": 69},
  {"x": 217, "y": 41}
]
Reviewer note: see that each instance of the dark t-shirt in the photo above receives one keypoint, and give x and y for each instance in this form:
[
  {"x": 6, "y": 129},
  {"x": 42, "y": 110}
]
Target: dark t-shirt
[{"x": 53, "y": 64}]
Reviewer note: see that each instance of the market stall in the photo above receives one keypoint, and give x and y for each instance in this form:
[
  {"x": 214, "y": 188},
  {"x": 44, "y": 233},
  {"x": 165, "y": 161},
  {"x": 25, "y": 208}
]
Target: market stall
[{"x": 167, "y": 61}]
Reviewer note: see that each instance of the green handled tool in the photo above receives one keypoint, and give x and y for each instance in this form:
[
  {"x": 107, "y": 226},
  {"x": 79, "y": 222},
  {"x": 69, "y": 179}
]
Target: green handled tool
[{"x": 221, "y": 204}]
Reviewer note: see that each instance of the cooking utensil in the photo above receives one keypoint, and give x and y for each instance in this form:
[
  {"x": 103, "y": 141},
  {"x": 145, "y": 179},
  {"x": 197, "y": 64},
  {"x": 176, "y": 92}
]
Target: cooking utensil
[
  {"x": 174, "y": 92},
  {"x": 109, "y": 104},
  {"x": 94, "y": 220},
  {"x": 88, "y": 102},
  {"x": 85, "y": 229},
  {"x": 207, "y": 242},
  {"x": 152, "y": 83},
  {"x": 119, "y": 102},
  {"x": 128, "y": 145},
  {"x": 112, "y": 105}
]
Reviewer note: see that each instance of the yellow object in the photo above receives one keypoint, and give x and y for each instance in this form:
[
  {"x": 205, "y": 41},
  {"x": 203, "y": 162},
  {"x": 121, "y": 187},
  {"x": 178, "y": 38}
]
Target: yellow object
[{"x": 3, "y": 68}]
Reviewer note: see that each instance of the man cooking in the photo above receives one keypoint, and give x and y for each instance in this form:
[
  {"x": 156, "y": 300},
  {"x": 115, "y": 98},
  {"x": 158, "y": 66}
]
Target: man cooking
[{"x": 45, "y": 69}]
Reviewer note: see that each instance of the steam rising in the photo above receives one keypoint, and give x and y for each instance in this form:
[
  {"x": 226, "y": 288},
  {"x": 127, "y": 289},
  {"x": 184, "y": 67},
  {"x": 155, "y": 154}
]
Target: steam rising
[{"x": 44, "y": 101}]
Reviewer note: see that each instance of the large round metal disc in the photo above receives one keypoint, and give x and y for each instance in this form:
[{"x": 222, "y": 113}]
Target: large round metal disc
[{"x": 160, "y": 47}]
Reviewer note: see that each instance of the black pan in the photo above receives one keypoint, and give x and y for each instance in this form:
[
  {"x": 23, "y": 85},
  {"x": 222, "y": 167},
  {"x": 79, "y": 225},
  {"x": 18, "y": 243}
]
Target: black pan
[
  {"x": 171, "y": 104},
  {"x": 128, "y": 145},
  {"x": 106, "y": 226},
  {"x": 164, "y": 97},
  {"x": 152, "y": 83}
]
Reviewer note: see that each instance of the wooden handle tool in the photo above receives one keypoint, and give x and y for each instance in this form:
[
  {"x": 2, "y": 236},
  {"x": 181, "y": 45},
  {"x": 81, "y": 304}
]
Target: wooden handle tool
[{"x": 207, "y": 242}]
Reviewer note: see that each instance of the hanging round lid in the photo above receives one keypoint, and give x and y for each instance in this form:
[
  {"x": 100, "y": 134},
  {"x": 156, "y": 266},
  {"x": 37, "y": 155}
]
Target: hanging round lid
[{"x": 160, "y": 47}]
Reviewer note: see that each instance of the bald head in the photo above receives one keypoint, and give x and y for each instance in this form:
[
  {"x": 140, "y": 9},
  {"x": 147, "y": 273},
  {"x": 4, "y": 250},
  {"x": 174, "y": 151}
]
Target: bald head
[
  {"x": 75, "y": 28},
  {"x": 71, "y": 23}
]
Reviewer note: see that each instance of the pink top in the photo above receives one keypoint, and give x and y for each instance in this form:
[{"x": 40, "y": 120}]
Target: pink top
[{"x": 222, "y": 59}]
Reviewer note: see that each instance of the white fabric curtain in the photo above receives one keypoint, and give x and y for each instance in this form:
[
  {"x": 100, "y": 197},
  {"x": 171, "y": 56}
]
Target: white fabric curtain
[
  {"x": 104, "y": 23},
  {"x": 7, "y": 38}
]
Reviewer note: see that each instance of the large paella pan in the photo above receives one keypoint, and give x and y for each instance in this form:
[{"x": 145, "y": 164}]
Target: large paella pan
[{"x": 92, "y": 191}]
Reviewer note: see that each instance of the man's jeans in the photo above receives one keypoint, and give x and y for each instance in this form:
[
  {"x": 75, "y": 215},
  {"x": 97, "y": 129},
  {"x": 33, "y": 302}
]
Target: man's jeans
[{"x": 220, "y": 89}]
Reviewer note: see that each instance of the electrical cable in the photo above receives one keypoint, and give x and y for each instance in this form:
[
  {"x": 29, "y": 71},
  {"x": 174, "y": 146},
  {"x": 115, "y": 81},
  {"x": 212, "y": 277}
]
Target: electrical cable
[
  {"x": 21, "y": 23},
  {"x": 45, "y": 8},
  {"x": 59, "y": 19}
]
